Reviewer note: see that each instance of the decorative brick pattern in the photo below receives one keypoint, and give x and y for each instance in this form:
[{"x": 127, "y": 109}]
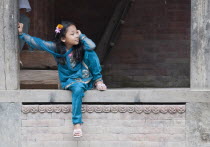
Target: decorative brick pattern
[
  {"x": 104, "y": 125},
  {"x": 147, "y": 109}
]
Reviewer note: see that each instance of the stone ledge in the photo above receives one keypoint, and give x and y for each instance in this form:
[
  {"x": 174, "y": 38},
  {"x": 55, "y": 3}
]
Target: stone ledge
[{"x": 136, "y": 95}]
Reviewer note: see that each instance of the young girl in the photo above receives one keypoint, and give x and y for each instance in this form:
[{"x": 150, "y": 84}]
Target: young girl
[{"x": 78, "y": 65}]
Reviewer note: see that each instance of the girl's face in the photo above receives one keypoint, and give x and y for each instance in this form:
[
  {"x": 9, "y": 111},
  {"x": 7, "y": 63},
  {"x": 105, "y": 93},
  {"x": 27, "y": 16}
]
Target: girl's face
[{"x": 72, "y": 36}]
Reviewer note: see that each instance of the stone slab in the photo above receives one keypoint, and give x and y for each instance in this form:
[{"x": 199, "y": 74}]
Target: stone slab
[
  {"x": 10, "y": 124},
  {"x": 136, "y": 95}
]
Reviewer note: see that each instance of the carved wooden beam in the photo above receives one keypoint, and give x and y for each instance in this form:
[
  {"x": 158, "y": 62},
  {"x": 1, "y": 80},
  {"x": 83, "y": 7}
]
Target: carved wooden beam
[{"x": 108, "y": 39}]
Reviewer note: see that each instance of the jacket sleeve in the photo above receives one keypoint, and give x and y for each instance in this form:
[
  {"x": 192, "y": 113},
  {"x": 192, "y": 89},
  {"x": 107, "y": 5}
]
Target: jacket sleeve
[
  {"x": 37, "y": 43},
  {"x": 88, "y": 44}
]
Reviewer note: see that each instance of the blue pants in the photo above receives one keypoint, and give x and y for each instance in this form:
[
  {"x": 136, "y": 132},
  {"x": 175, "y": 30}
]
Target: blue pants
[{"x": 78, "y": 89}]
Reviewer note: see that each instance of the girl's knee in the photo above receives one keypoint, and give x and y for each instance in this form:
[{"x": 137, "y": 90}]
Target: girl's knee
[
  {"x": 91, "y": 59},
  {"x": 78, "y": 90}
]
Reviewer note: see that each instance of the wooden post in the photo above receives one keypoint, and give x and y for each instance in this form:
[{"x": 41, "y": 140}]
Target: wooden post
[{"x": 9, "y": 56}]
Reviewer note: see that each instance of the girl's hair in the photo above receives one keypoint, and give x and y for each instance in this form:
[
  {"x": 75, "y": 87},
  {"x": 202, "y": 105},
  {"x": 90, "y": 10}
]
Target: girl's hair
[{"x": 78, "y": 51}]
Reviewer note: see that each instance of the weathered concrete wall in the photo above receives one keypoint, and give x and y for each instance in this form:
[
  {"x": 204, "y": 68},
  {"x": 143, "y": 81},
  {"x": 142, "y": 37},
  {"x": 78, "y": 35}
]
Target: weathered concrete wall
[
  {"x": 10, "y": 125},
  {"x": 200, "y": 44},
  {"x": 197, "y": 124},
  {"x": 105, "y": 125},
  {"x": 9, "y": 64}
]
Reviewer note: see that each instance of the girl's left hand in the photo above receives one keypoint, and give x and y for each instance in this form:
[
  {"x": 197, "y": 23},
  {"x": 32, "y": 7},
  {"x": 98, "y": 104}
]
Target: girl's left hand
[
  {"x": 79, "y": 32},
  {"x": 20, "y": 28}
]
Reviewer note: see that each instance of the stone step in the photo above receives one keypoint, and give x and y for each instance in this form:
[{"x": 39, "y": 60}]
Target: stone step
[
  {"x": 39, "y": 79},
  {"x": 37, "y": 60}
]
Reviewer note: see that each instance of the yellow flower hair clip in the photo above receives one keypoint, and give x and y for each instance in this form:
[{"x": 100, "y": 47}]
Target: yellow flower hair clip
[{"x": 58, "y": 28}]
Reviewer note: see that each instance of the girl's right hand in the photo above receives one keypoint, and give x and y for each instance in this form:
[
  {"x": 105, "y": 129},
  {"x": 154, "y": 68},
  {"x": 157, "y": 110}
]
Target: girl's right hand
[
  {"x": 20, "y": 28},
  {"x": 79, "y": 32}
]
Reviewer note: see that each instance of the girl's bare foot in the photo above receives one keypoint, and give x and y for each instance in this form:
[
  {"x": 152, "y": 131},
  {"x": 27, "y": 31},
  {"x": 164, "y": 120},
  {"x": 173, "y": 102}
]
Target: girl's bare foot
[{"x": 100, "y": 86}]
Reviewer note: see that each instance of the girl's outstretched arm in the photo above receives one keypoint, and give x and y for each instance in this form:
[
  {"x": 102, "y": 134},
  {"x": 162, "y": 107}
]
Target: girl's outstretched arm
[
  {"x": 37, "y": 43},
  {"x": 34, "y": 42},
  {"x": 87, "y": 43}
]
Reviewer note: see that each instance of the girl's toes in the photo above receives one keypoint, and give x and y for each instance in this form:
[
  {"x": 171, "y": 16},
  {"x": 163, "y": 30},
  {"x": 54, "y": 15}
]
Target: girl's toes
[
  {"x": 100, "y": 86},
  {"x": 104, "y": 87}
]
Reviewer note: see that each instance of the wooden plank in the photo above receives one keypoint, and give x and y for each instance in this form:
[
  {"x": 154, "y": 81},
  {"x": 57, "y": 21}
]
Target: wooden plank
[
  {"x": 39, "y": 79},
  {"x": 37, "y": 60},
  {"x": 9, "y": 65}
]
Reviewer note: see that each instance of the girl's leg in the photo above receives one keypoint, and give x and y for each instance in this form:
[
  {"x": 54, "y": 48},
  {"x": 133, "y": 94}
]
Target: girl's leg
[
  {"x": 77, "y": 95},
  {"x": 92, "y": 61}
]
